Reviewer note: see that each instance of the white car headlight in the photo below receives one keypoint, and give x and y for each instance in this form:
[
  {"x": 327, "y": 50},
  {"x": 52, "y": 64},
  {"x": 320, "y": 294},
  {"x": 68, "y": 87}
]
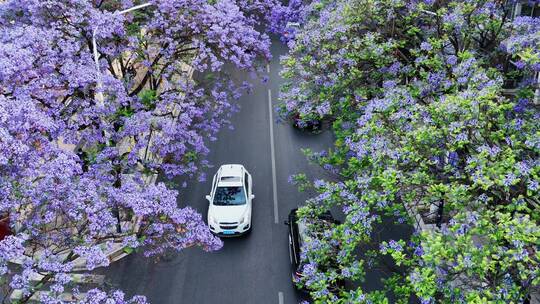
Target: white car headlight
[{"x": 243, "y": 220}]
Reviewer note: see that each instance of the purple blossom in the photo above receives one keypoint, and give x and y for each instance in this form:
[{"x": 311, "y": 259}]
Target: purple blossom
[
  {"x": 96, "y": 296},
  {"x": 451, "y": 60},
  {"x": 521, "y": 105},
  {"x": 418, "y": 251},
  {"x": 533, "y": 185},
  {"x": 509, "y": 179},
  {"x": 395, "y": 245},
  {"x": 319, "y": 183},
  {"x": 48, "y": 101},
  {"x": 425, "y": 46}
]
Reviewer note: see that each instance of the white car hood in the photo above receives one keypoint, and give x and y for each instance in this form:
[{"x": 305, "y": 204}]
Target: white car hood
[{"x": 227, "y": 213}]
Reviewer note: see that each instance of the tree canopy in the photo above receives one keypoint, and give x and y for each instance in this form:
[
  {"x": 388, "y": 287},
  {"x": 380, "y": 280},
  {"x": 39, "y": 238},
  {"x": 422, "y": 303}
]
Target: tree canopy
[
  {"x": 433, "y": 108},
  {"x": 78, "y": 141}
]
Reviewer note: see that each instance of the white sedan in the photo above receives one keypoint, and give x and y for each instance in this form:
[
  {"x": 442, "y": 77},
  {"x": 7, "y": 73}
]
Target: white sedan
[{"x": 229, "y": 210}]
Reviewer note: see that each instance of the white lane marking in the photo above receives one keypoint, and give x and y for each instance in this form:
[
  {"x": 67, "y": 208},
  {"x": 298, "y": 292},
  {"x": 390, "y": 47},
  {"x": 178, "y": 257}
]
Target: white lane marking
[
  {"x": 268, "y": 69},
  {"x": 273, "y": 154},
  {"x": 280, "y": 297}
]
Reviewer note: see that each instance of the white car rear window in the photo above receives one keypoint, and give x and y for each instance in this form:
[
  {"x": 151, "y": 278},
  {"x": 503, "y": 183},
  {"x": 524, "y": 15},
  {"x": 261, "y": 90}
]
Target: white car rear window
[{"x": 230, "y": 179}]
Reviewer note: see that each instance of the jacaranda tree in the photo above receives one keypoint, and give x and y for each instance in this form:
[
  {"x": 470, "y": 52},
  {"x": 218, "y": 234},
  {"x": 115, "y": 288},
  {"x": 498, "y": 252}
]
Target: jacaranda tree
[
  {"x": 79, "y": 139},
  {"x": 433, "y": 108}
]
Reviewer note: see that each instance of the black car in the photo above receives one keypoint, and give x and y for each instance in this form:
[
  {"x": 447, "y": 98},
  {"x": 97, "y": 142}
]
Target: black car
[{"x": 297, "y": 236}]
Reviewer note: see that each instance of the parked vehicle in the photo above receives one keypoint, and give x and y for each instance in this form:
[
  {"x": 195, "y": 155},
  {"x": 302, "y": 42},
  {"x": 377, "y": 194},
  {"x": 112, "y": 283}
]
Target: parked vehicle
[
  {"x": 298, "y": 234},
  {"x": 229, "y": 209},
  {"x": 289, "y": 32}
]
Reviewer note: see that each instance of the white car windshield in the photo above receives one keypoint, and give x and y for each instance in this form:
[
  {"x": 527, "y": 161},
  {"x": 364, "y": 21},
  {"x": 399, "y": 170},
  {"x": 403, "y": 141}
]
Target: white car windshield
[{"x": 230, "y": 196}]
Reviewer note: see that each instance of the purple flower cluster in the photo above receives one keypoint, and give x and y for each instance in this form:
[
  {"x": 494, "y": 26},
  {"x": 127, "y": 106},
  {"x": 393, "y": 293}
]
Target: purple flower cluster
[
  {"x": 281, "y": 16},
  {"x": 78, "y": 143}
]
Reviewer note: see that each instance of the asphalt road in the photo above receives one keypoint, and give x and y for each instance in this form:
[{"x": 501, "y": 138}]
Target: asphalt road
[{"x": 251, "y": 269}]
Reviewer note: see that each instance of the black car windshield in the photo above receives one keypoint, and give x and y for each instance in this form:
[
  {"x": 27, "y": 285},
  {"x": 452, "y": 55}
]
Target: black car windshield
[{"x": 229, "y": 196}]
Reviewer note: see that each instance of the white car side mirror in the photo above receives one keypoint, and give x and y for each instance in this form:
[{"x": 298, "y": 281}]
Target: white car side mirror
[
  {"x": 208, "y": 197},
  {"x": 252, "y": 196}
]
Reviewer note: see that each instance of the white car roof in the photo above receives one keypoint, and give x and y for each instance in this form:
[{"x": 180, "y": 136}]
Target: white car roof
[
  {"x": 230, "y": 175},
  {"x": 231, "y": 170}
]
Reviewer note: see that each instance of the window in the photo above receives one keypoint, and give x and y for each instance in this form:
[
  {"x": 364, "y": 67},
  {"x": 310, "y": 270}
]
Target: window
[
  {"x": 246, "y": 181},
  {"x": 302, "y": 232},
  {"x": 528, "y": 9},
  {"x": 230, "y": 179},
  {"x": 230, "y": 196},
  {"x": 214, "y": 182}
]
